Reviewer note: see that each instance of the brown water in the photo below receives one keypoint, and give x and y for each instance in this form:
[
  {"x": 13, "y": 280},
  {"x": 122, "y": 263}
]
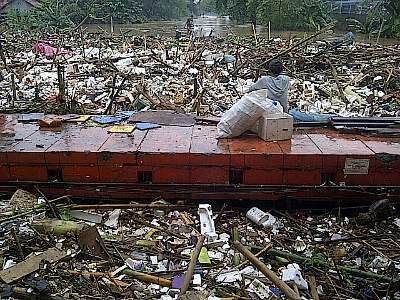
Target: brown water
[{"x": 219, "y": 26}]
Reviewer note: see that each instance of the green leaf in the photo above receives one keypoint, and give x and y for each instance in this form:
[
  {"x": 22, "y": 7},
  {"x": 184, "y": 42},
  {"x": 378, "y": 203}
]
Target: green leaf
[{"x": 65, "y": 214}]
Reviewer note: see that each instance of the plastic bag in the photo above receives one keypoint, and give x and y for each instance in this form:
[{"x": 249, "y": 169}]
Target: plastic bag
[
  {"x": 245, "y": 113},
  {"x": 275, "y": 109},
  {"x": 292, "y": 273}
]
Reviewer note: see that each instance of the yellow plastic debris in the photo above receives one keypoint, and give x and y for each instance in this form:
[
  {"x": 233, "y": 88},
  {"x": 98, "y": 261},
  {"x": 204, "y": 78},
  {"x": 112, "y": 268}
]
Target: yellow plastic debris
[
  {"x": 82, "y": 118},
  {"x": 150, "y": 233},
  {"x": 145, "y": 243},
  {"x": 203, "y": 256},
  {"x": 121, "y": 129}
]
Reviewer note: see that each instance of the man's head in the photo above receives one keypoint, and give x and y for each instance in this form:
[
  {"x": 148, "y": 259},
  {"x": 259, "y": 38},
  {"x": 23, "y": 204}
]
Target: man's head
[{"x": 275, "y": 67}]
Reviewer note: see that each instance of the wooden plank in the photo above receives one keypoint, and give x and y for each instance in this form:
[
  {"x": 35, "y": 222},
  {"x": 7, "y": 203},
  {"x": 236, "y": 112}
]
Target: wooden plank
[
  {"x": 31, "y": 265},
  {"x": 80, "y": 139},
  {"x": 339, "y": 145},
  {"x": 167, "y": 139},
  {"x": 204, "y": 141},
  {"x": 120, "y": 142}
]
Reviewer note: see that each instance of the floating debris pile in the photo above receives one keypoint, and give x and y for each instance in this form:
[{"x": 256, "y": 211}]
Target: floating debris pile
[
  {"x": 59, "y": 250},
  {"x": 102, "y": 73}
]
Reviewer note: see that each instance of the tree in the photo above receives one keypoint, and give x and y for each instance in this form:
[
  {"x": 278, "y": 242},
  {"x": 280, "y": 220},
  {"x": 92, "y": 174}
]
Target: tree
[
  {"x": 237, "y": 9},
  {"x": 19, "y": 21},
  {"x": 60, "y": 14},
  {"x": 283, "y": 14},
  {"x": 68, "y": 13},
  {"x": 383, "y": 19},
  {"x": 122, "y": 11},
  {"x": 165, "y": 9},
  {"x": 207, "y": 6},
  {"x": 391, "y": 18}
]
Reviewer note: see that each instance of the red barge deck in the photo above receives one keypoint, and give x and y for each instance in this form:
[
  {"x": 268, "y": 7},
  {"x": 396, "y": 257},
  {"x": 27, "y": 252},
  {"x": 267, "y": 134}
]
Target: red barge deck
[{"x": 190, "y": 163}]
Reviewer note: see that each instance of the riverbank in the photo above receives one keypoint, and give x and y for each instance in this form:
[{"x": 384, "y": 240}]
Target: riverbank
[{"x": 220, "y": 26}]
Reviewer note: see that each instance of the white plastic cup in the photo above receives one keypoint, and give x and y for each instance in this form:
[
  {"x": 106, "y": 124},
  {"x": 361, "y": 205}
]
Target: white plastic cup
[{"x": 259, "y": 217}]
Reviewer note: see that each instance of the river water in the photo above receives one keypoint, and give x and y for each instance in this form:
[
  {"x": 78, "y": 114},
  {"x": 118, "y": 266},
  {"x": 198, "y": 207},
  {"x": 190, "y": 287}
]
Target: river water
[
  {"x": 203, "y": 26},
  {"x": 215, "y": 24}
]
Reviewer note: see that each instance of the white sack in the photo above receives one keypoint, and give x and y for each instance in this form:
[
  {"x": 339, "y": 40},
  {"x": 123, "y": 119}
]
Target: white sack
[{"x": 244, "y": 114}]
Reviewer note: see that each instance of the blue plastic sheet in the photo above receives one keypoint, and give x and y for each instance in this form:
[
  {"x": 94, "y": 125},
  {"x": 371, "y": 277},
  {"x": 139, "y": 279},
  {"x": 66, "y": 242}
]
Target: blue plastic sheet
[
  {"x": 107, "y": 119},
  {"x": 126, "y": 114},
  {"x": 145, "y": 126},
  {"x": 229, "y": 59},
  {"x": 300, "y": 116}
]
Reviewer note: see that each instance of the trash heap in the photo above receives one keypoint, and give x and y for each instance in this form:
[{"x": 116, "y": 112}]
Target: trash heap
[
  {"x": 94, "y": 73},
  {"x": 53, "y": 249}
]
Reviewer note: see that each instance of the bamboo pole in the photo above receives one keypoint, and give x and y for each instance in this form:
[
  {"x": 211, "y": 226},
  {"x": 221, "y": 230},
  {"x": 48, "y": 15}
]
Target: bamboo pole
[
  {"x": 313, "y": 288},
  {"x": 147, "y": 278},
  {"x": 23, "y": 293},
  {"x": 140, "y": 220},
  {"x": 326, "y": 264},
  {"x": 269, "y": 30},
  {"x": 14, "y": 89},
  {"x": 267, "y": 248},
  {"x": 236, "y": 237},
  {"x": 323, "y": 30},
  {"x": 255, "y": 34},
  {"x": 126, "y": 206},
  {"x": 3, "y": 56},
  {"x": 130, "y": 273},
  {"x": 380, "y": 31},
  {"x": 61, "y": 83},
  {"x": 111, "y": 25},
  {"x": 267, "y": 272},
  {"x": 18, "y": 244},
  {"x": 192, "y": 265},
  {"x": 37, "y": 208},
  {"x": 339, "y": 85}
]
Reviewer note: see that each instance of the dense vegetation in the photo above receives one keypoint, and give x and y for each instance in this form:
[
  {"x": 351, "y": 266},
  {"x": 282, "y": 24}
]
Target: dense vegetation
[
  {"x": 283, "y": 14},
  {"x": 384, "y": 16},
  {"x": 207, "y": 7},
  {"x": 69, "y": 13},
  {"x": 165, "y": 9}
]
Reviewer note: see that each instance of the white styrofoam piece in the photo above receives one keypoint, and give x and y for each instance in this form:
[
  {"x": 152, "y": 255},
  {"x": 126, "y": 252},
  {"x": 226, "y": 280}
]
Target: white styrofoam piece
[
  {"x": 154, "y": 259},
  {"x": 259, "y": 217},
  {"x": 87, "y": 216},
  {"x": 197, "y": 279},
  {"x": 229, "y": 277},
  {"x": 207, "y": 226},
  {"x": 275, "y": 127}
]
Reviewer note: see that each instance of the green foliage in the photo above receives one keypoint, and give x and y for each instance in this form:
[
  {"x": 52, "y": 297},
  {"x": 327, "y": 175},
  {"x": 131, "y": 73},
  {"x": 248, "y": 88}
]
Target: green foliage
[
  {"x": 17, "y": 20},
  {"x": 56, "y": 13},
  {"x": 65, "y": 214},
  {"x": 370, "y": 26},
  {"x": 283, "y": 14},
  {"x": 60, "y": 14},
  {"x": 237, "y": 9},
  {"x": 122, "y": 11},
  {"x": 207, "y": 6},
  {"x": 165, "y": 9},
  {"x": 391, "y": 27},
  {"x": 384, "y": 18}
]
